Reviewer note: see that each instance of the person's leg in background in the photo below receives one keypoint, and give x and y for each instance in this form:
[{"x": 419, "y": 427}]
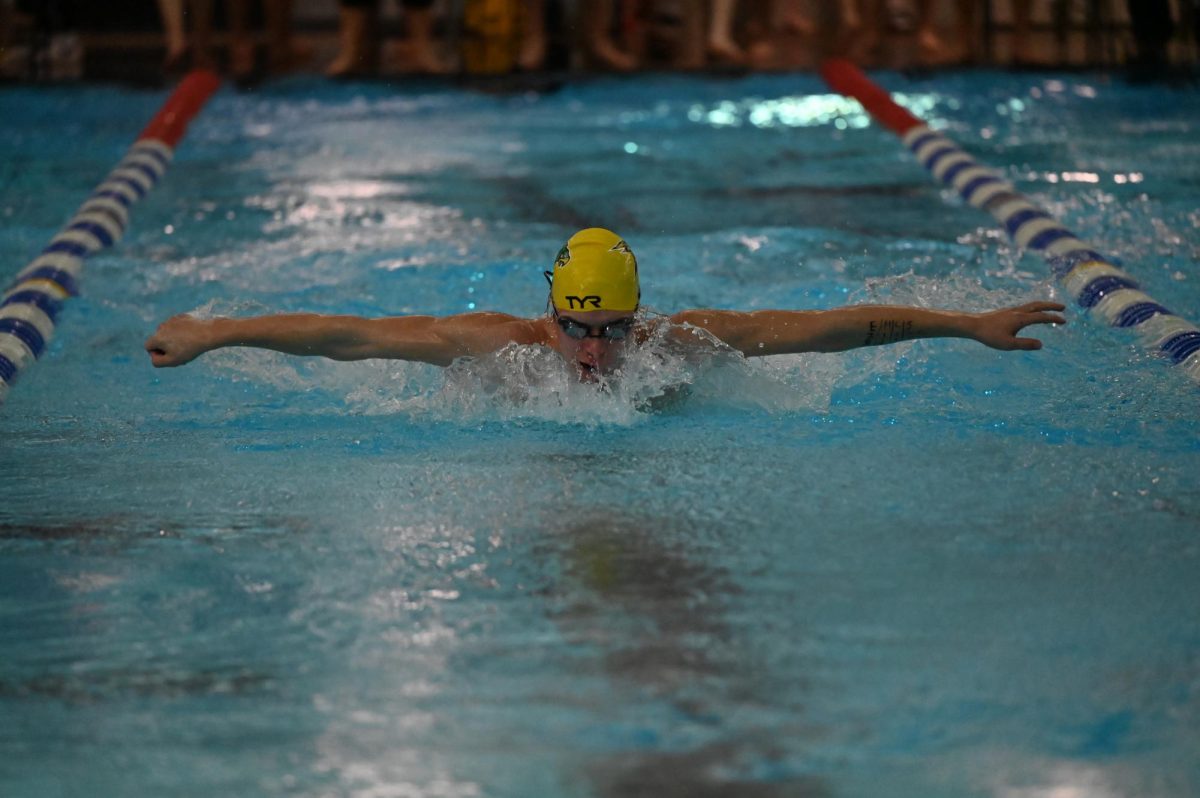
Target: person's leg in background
[
  {"x": 532, "y": 53},
  {"x": 422, "y": 48},
  {"x": 932, "y": 49},
  {"x": 241, "y": 43},
  {"x": 861, "y": 30},
  {"x": 598, "y": 44},
  {"x": 174, "y": 32},
  {"x": 358, "y": 45},
  {"x": 721, "y": 46}
]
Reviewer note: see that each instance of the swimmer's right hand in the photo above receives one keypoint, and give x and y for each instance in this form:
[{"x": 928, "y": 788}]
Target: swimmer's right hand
[{"x": 178, "y": 340}]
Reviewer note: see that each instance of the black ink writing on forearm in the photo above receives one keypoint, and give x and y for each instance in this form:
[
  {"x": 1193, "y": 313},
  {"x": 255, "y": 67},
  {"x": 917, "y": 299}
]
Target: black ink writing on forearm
[{"x": 888, "y": 331}]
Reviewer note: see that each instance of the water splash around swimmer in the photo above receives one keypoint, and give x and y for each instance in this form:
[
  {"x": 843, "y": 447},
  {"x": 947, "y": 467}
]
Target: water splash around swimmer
[{"x": 535, "y": 384}]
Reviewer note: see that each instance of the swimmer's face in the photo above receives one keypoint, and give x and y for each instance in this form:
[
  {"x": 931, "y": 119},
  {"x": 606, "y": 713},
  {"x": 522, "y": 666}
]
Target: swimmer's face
[{"x": 592, "y": 340}]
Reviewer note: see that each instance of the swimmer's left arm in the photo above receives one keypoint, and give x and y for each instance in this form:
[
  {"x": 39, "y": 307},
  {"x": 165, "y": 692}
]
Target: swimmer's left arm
[{"x": 778, "y": 332}]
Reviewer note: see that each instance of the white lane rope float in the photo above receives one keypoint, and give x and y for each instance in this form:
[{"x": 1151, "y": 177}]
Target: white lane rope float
[
  {"x": 30, "y": 305},
  {"x": 1093, "y": 281}
]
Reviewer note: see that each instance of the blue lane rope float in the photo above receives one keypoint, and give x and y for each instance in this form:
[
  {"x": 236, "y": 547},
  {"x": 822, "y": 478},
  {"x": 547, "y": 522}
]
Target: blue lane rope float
[
  {"x": 31, "y": 304},
  {"x": 1093, "y": 281}
]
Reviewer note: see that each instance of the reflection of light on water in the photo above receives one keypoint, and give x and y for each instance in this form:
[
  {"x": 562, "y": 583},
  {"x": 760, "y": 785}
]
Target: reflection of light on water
[
  {"x": 377, "y": 725},
  {"x": 329, "y": 216},
  {"x": 356, "y": 189},
  {"x": 1066, "y": 781},
  {"x": 812, "y": 110},
  {"x": 1088, "y": 177},
  {"x": 87, "y": 582}
]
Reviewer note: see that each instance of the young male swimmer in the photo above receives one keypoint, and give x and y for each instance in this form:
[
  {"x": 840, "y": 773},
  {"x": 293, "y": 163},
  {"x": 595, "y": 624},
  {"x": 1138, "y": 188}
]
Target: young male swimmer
[{"x": 594, "y": 296}]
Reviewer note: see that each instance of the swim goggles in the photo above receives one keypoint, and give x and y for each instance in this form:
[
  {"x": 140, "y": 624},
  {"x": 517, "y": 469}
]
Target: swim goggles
[{"x": 613, "y": 331}]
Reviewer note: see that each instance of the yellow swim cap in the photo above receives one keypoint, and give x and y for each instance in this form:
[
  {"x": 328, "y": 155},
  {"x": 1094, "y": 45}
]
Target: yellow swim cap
[{"x": 596, "y": 270}]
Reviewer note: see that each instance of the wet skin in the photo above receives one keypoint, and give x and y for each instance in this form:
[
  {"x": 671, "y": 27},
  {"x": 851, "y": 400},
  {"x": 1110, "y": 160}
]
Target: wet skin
[
  {"x": 593, "y": 355},
  {"x": 440, "y": 340}
]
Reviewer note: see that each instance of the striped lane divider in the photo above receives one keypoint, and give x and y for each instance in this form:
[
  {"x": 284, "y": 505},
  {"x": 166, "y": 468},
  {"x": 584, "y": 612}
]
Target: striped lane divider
[
  {"x": 30, "y": 305},
  {"x": 1093, "y": 281}
]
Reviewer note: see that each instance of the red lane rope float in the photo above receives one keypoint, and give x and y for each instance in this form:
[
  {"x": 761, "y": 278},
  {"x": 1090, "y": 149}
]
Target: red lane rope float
[
  {"x": 845, "y": 78},
  {"x": 31, "y": 303},
  {"x": 171, "y": 121},
  {"x": 1096, "y": 284}
]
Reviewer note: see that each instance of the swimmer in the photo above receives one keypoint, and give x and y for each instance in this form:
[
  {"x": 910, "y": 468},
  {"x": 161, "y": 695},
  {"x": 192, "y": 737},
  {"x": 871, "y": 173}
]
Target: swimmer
[{"x": 591, "y": 320}]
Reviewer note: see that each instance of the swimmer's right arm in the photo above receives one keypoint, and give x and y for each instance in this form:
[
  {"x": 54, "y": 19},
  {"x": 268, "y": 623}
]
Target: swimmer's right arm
[{"x": 427, "y": 339}]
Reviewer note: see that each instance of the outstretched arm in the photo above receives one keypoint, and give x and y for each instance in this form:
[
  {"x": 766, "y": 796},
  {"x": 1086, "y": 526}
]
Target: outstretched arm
[
  {"x": 428, "y": 339},
  {"x": 778, "y": 332}
]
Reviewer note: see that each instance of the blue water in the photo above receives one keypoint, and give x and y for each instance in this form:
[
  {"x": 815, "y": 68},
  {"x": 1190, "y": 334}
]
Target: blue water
[{"x": 926, "y": 570}]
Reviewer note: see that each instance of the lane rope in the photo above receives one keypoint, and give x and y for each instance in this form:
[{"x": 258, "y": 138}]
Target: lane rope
[
  {"x": 1092, "y": 280},
  {"x": 30, "y": 305}
]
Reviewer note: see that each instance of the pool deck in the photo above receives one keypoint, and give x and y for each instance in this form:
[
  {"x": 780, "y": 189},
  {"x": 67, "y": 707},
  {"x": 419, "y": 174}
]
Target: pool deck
[{"x": 136, "y": 57}]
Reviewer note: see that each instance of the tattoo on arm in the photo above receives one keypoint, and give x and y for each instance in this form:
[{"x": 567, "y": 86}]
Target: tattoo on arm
[{"x": 888, "y": 331}]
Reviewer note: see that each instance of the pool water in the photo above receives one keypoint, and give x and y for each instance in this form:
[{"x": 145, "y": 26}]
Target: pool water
[{"x": 931, "y": 569}]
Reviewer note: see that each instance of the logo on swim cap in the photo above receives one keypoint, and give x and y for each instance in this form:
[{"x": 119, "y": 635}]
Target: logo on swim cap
[
  {"x": 563, "y": 256},
  {"x": 596, "y": 270}
]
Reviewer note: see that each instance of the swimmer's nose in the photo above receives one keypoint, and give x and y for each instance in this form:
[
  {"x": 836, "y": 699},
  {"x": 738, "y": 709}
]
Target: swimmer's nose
[{"x": 593, "y": 345}]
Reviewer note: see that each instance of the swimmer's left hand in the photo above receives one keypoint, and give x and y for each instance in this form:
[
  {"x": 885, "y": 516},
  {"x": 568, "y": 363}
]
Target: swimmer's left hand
[{"x": 998, "y": 328}]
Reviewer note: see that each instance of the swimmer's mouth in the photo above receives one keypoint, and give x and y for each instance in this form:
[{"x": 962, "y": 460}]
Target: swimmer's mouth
[{"x": 588, "y": 372}]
